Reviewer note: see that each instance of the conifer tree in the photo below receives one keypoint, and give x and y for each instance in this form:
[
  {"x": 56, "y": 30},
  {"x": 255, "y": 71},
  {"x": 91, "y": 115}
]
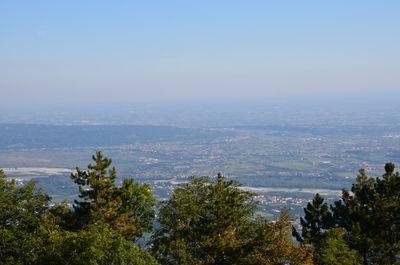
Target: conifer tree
[
  {"x": 32, "y": 232},
  {"x": 355, "y": 211},
  {"x": 371, "y": 216},
  {"x": 316, "y": 218},
  {"x": 204, "y": 222},
  {"x": 208, "y": 222},
  {"x": 128, "y": 209},
  {"x": 331, "y": 249},
  {"x": 386, "y": 243}
]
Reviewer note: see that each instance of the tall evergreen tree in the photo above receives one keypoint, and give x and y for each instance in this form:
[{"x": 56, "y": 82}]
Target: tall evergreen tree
[
  {"x": 204, "y": 222},
  {"x": 370, "y": 216},
  {"x": 355, "y": 212},
  {"x": 128, "y": 209},
  {"x": 369, "y": 213},
  {"x": 316, "y": 218},
  {"x": 386, "y": 240},
  {"x": 213, "y": 222},
  {"x": 31, "y": 232}
]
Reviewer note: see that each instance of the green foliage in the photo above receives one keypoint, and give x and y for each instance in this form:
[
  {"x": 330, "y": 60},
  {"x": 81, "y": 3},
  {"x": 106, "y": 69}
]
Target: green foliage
[
  {"x": 22, "y": 211},
  {"x": 129, "y": 209},
  {"x": 355, "y": 212},
  {"x": 96, "y": 245},
  {"x": 331, "y": 249},
  {"x": 370, "y": 215},
  {"x": 316, "y": 218},
  {"x": 386, "y": 239},
  {"x": 97, "y": 232},
  {"x": 273, "y": 244},
  {"x": 213, "y": 222},
  {"x": 204, "y": 222}
]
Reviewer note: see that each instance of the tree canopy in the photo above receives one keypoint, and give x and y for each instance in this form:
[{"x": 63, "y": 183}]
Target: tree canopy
[
  {"x": 213, "y": 221},
  {"x": 100, "y": 229},
  {"x": 127, "y": 209},
  {"x": 369, "y": 215},
  {"x": 206, "y": 221}
]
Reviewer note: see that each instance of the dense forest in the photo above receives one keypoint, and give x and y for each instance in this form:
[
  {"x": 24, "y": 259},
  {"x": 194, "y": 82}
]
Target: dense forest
[{"x": 207, "y": 220}]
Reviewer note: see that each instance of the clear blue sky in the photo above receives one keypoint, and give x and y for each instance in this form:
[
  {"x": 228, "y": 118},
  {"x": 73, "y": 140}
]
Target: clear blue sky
[{"x": 60, "y": 51}]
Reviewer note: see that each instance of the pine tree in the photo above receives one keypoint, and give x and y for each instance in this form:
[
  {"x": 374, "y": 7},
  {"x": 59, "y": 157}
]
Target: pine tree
[
  {"x": 204, "y": 222},
  {"x": 210, "y": 222},
  {"x": 31, "y": 232},
  {"x": 128, "y": 209},
  {"x": 316, "y": 218},
  {"x": 369, "y": 214},
  {"x": 386, "y": 239},
  {"x": 331, "y": 249}
]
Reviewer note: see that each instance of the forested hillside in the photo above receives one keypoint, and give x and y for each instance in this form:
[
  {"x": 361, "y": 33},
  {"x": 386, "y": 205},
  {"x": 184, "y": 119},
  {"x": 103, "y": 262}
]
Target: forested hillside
[{"x": 207, "y": 220}]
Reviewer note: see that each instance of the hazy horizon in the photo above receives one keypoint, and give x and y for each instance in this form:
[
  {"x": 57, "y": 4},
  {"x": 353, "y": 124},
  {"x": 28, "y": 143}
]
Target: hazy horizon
[{"x": 97, "y": 52}]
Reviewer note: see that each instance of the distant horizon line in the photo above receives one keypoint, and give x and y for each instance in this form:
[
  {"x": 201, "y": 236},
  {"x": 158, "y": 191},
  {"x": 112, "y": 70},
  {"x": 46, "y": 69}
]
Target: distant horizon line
[{"x": 295, "y": 98}]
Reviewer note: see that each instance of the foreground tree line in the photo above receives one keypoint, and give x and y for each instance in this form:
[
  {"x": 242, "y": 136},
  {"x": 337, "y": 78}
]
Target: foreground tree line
[{"x": 205, "y": 221}]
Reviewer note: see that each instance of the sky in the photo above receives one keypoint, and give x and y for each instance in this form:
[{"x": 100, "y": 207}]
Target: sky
[{"x": 100, "y": 51}]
